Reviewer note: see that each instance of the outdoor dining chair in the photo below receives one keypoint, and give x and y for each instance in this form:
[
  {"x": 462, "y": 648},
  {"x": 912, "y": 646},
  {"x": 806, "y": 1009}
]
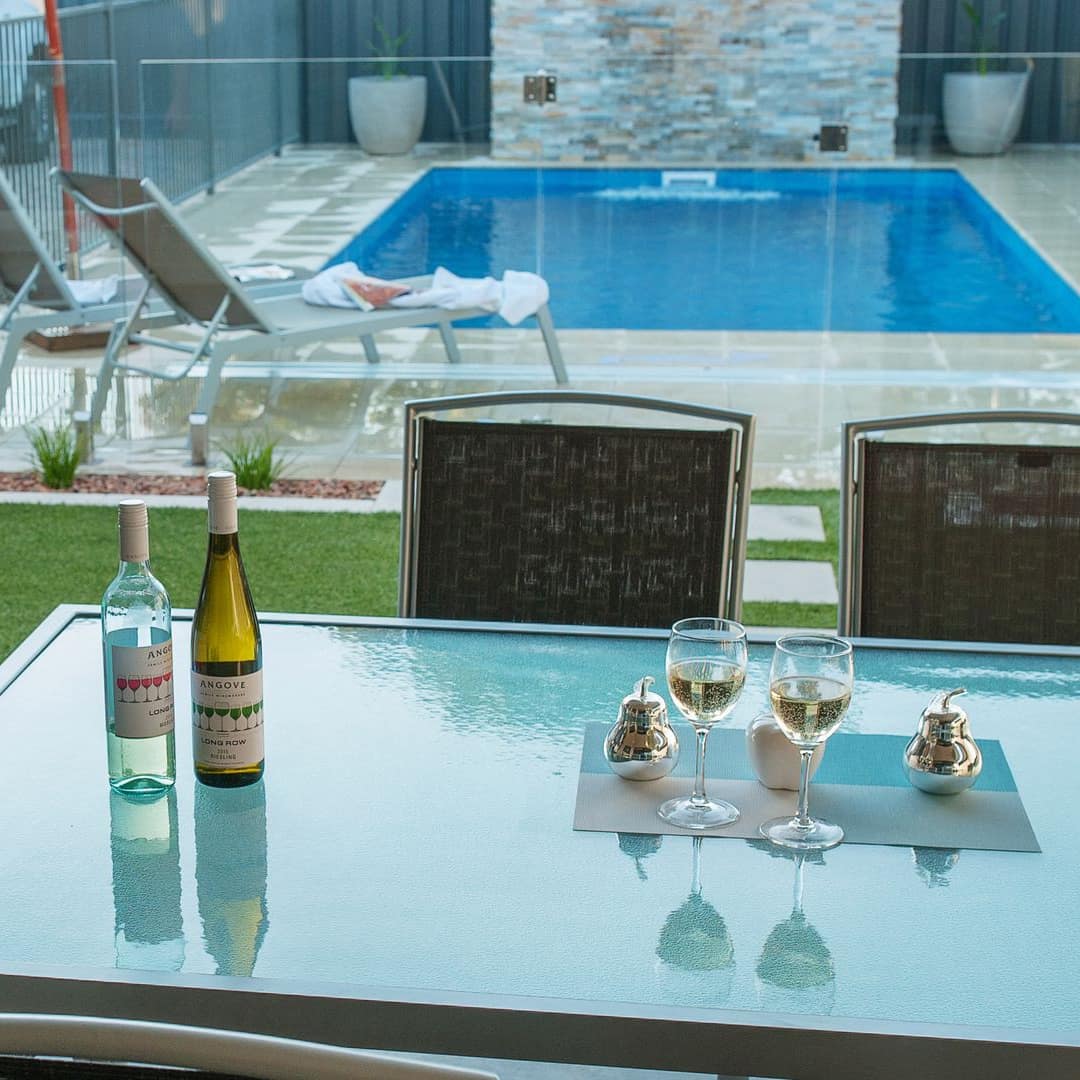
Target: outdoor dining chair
[
  {"x": 571, "y": 517},
  {"x": 960, "y": 541},
  {"x": 36, "y": 1046},
  {"x": 39, "y": 297},
  {"x": 177, "y": 265}
]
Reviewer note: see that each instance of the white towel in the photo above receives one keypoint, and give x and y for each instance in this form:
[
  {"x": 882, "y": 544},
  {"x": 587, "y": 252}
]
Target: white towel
[
  {"x": 96, "y": 291},
  {"x": 517, "y": 296}
]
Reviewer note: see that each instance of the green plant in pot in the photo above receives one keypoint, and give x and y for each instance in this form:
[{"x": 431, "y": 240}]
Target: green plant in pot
[
  {"x": 387, "y": 109},
  {"x": 983, "y": 107}
]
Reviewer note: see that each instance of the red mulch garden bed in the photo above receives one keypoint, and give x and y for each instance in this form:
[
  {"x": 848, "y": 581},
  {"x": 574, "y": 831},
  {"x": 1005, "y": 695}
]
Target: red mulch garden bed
[{"x": 142, "y": 484}]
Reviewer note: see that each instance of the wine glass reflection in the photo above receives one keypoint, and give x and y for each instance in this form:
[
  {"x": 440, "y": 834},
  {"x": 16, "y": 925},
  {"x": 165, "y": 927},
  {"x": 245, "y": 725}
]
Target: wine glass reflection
[
  {"x": 695, "y": 944},
  {"x": 795, "y": 970}
]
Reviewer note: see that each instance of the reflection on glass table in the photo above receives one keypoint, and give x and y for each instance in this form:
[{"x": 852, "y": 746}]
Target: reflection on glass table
[
  {"x": 145, "y": 848},
  {"x": 933, "y": 865},
  {"x": 230, "y": 873},
  {"x": 695, "y": 940},
  {"x": 639, "y": 846},
  {"x": 795, "y": 970}
]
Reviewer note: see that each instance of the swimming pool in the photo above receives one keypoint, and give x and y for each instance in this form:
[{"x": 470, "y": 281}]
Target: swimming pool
[{"x": 739, "y": 249}]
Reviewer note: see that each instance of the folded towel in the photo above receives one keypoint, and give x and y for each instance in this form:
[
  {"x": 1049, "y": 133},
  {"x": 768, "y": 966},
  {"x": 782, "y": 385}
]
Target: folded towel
[
  {"x": 97, "y": 291},
  {"x": 517, "y": 296}
]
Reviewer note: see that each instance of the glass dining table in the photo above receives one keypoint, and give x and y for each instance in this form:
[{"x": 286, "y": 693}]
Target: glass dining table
[{"x": 407, "y": 876}]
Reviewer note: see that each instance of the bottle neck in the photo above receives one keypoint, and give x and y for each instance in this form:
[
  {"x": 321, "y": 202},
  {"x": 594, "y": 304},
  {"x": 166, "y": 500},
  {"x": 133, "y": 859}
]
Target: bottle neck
[
  {"x": 134, "y": 546},
  {"x": 224, "y": 544},
  {"x": 222, "y": 515},
  {"x": 134, "y": 567}
]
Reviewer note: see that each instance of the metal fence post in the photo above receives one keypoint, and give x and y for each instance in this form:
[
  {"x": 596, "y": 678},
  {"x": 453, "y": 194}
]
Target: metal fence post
[
  {"x": 84, "y": 436},
  {"x": 199, "y": 437}
]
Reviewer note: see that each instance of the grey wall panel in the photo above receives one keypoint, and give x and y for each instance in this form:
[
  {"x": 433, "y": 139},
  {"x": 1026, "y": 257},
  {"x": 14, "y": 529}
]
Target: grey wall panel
[
  {"x": 1030, "y": 26},
  {"x": 458, "y": 100}
]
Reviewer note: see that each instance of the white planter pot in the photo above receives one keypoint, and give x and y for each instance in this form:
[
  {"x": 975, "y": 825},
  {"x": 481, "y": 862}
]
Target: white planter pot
[
  {"x": 983, "y": 112},
  {"x": 387, "y": 114}
]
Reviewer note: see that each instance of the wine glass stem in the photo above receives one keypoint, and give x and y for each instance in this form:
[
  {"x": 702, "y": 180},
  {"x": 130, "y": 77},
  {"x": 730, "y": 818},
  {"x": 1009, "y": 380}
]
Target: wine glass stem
[
  {"x": 803, "y": 815},
  {"x": 698, "y": 797}
]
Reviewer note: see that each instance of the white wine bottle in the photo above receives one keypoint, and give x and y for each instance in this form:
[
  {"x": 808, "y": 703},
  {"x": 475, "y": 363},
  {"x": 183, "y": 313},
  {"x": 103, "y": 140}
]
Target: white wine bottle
[
  {"x": 136, "y": 637},
  {"x": 226, "y": 655}
]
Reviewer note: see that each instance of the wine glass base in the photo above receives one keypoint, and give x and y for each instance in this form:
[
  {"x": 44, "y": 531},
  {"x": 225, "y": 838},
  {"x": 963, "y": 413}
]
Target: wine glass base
[
  {"x": 786, "y": 832},
  {"x": 688, "y": 814}
]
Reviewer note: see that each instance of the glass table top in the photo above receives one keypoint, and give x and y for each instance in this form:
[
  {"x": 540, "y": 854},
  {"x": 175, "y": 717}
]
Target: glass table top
[{"x": 414, "y": 830}]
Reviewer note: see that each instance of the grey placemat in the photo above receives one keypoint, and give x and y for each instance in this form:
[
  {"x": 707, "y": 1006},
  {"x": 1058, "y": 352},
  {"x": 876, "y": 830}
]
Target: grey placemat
[{"x": 860, "y": 785}]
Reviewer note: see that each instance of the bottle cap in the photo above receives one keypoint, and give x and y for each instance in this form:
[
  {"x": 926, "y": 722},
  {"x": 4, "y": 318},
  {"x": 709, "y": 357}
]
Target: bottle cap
[
  {"x": 134, "y": 539},
  {"x": 221, "y": 492}
]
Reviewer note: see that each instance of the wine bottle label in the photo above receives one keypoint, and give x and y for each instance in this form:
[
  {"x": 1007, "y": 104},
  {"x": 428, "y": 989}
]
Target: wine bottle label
[
  {"x": 142, "y": 690},
  {"x": 227, "y": 718}
]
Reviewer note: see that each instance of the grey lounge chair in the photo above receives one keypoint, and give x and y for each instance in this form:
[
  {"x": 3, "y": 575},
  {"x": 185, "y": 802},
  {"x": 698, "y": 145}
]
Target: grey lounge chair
[
  {"x": 37, "y": 294},
  {"x": 143, "y": 221}
]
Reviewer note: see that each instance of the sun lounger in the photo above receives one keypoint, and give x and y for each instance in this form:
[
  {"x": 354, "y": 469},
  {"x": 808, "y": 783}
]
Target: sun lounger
[
  {"x": 235, "y": 320},
  {"x": 40, "y": 298}
]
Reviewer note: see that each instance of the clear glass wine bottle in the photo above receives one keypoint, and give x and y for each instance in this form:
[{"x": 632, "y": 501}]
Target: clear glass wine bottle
[{"x": 136, "y": 634}]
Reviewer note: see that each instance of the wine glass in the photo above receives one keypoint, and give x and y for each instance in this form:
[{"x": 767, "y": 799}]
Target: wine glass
[
  {"x": 706, "y": 669},
  {"x": 810, "y": 685}
]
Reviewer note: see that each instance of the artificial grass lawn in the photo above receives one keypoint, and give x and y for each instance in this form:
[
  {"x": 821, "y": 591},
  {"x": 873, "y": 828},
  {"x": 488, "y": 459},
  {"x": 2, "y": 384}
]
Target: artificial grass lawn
[{"x": 341, "y": 563}]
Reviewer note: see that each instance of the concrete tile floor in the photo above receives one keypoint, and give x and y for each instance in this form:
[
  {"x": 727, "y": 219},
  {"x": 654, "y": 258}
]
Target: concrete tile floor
[{"x": 336, "y": 416}]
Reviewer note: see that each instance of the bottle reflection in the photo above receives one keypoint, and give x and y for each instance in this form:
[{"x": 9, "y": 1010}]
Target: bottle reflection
[
  {"x": 933, "y": 865},
  {"x": 695, "y": 939},
  {"x": 145, "y": 847},
  {"x": 639, "y": 846},
  {"x": 230, "y": 873},
  {"x": 795, "y": 970}
]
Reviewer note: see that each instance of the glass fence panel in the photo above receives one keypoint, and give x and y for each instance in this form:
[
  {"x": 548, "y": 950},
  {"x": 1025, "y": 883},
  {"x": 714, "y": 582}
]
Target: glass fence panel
[
  {"x": 709, "y": 226},
  {"x": 57, "y": 323}
]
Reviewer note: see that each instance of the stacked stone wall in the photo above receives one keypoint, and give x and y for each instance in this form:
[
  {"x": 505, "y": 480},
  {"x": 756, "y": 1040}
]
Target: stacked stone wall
[{"x": 683, "y": 81}]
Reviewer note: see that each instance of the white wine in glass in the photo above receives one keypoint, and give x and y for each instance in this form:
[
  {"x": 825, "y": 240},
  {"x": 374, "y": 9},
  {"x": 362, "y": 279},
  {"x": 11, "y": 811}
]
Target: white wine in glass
[
  {"x": 810, "y": 684},
  {"x": 706, "y": 669}
]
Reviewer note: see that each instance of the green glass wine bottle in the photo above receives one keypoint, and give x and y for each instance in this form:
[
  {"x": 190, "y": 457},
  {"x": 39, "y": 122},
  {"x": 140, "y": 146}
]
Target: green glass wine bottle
[{"x": 226, "y": 655}]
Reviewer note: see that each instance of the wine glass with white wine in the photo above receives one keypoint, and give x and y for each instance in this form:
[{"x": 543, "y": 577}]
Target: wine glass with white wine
[
  {"x": 706, "y": 669},
  {"x": 810, "y": 684}
]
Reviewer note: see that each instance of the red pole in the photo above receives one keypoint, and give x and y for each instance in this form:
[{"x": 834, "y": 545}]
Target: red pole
[{"x": 63, "y": 128}]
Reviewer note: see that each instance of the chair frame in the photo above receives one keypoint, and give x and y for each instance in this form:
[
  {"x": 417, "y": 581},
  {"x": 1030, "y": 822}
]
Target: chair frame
[
  {"x": 262, "y": 334},
  {"x": 853, "y": 435},
  {"x": 264, "y": 1057},
  {"x": 49, "y": 314},
  {"x": 735, "y": 539}
]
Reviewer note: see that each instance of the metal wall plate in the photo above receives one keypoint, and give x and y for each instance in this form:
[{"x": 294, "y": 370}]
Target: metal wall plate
[
  {"x": 832, "y": 138},
  {"x": 539, "y": 88}
]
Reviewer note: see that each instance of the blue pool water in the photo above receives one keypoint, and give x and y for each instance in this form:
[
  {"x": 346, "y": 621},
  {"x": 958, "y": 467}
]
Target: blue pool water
[{"x": 776, "y": 249}]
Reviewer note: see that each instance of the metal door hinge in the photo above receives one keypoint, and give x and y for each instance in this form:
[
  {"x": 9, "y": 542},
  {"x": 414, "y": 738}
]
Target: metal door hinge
[
  {"x": 539, "y": 89},
  {"x": 832, "y": 138}
]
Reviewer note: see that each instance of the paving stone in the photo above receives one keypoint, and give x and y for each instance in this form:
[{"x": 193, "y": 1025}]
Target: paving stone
[
  {"x": 790, "y": 580},
  {"x": 785, "y": 523}
]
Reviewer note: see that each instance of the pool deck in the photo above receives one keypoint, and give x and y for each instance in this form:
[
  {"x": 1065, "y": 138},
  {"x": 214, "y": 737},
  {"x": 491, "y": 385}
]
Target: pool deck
[{"x": 337, "y": 416}]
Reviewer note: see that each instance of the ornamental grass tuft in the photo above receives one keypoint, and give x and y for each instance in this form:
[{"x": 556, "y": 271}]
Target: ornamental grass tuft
[
  {"x": 55, "y": 455},
  {"x": 255, "y": 461}
]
